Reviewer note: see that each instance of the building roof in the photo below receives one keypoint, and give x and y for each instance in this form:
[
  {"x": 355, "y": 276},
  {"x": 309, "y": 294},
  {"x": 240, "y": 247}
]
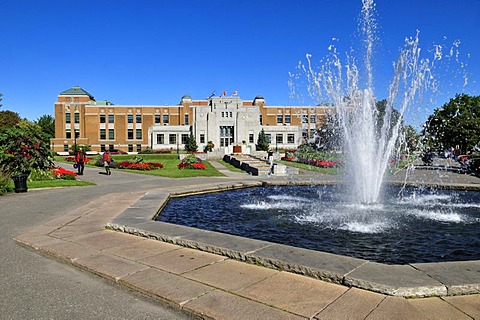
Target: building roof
[{"x": 76, "y": 91}]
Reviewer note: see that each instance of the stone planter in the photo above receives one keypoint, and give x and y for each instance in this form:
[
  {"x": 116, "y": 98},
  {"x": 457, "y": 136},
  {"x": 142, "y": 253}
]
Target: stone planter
[{"x": 20, "y": 181}]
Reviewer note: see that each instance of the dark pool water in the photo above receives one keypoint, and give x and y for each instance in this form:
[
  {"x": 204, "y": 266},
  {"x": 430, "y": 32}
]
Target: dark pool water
[{"x": 408, "y": 226}]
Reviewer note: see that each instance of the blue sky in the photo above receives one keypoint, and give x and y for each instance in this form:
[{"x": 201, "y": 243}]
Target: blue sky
[{"x": 153, "y": 52}]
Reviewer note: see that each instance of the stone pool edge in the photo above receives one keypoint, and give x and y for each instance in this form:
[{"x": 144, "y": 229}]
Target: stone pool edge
[{"x": 410, "y": 281}]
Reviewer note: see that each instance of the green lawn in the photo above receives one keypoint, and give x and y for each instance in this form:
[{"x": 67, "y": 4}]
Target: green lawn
[
  {"x": 56, "y": 183},
  {"x": 169, "y": 161}
]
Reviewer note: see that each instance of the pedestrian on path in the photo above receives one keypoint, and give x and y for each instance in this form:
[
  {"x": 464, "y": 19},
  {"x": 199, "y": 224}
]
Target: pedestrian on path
[
  {"x": 106, "y": 162},
  {"x": 80, "y": 160}
]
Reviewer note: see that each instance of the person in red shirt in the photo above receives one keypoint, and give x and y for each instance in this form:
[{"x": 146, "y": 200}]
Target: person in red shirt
[
  {"x": 80, "y": 160},
  {"x": 106, "y": 162}
]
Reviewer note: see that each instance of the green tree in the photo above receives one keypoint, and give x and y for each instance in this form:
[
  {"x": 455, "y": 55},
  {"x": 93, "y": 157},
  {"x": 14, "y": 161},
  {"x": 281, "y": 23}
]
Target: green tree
[
  {"x": 47, "y": 123},
  {"x": 262, "y": 142},
  {"x": 191, "y": 145},
  {"x": 9, "y": 119},
  {"x": 456, "y": 123}
]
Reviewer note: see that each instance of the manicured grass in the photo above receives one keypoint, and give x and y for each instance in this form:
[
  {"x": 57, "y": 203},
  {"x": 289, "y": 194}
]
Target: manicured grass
[
  {"x": 57, "y": 183},
  {"x": 170, "y": 166}
]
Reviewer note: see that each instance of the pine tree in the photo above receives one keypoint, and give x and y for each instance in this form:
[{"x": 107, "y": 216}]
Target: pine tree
[
  {"x": 262, "y": 142},
  {"x": 191, "y": 145}
]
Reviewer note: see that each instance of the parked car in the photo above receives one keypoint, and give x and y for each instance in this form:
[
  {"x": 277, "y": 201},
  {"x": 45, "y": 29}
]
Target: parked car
[{"x": 117, "y": 151}]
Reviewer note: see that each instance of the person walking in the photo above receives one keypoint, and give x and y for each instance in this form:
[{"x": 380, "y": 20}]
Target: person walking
[
  {"x": 80, "y": 160},
  {"x": 106, "y": 162}
]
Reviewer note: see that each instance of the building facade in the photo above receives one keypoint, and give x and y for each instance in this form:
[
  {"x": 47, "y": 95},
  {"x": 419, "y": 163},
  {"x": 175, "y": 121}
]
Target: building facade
[{"x": 225, "y": 121}]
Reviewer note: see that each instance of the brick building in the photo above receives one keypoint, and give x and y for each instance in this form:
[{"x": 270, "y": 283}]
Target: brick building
[{"x": 224, "y": 120}]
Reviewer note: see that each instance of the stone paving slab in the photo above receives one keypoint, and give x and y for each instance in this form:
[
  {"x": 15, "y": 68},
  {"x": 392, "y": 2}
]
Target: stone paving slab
[
  {"x": 166, "y": 286},
  {"x": 182, "y": 260},
  {"x": 141, "y": 249},
  {"x": 393, "y": 308},
  {"x": 295, "y": 293},
  {"x": 230, "y": 275},
  {"x": 222, "y": 305},
  {"x": 436, "y": 308},
  {"x": 109, "y": 266},
  {"x": 469, "y": 304},
  {"x": 459, "y": 277},
  {"x": 396, "y": 280},
  {"x": 353, "y": 304},
  {"x": 68, "y": 250}
]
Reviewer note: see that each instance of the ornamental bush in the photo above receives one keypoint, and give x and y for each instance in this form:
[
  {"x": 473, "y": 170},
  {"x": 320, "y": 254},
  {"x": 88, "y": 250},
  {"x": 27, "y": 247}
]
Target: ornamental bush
[{"x": 23, "y": 148}]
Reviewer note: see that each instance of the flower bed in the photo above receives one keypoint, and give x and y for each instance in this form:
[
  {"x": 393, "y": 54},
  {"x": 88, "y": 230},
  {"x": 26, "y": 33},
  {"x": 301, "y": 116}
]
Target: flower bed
[
  {"x": 321, "y": 163},
  {"x": 61, "y": 173},
  {"x": 192, "y": 162},
  {"x": 139, "y": 166}
]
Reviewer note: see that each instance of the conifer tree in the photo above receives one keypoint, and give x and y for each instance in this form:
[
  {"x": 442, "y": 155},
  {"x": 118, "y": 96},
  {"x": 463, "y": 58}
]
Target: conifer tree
[{"x": 262, "y": 142}]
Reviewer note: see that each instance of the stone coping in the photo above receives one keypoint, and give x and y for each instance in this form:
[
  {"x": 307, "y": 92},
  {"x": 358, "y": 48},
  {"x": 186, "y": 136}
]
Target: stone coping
[{"x": 411, "y": 280}]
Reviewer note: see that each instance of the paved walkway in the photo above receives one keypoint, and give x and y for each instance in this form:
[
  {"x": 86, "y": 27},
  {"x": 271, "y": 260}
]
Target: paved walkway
[{"x": 210, "y": 285}]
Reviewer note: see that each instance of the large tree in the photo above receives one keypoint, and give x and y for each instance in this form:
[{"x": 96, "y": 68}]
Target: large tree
[
  {"x": 47, "y": 123},
  {"x": 8, "y": 119},
  {"x": 456, "y": 123}
]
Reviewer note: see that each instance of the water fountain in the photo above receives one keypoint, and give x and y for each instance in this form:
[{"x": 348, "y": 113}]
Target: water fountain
[{"x": 357, "y": 218}]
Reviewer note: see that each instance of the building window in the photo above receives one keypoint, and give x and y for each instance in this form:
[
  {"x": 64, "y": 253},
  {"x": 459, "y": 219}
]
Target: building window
[
  {"x": 138, "y": 118},
  {"x": 157, "y": 118},
  {"x": 139, "y": 147},
  {"x": 65, "y": 147},
  {"x": 165, "y": 118},
  {"x": 304, "y": 118},
  {"x": 67, "y": 117},
  {"x": 103, "y": 135},
  {"x": 102, "y": 147},
  {"x": 290, "y": 138},
  {"x": 77, "y": 133},
  {"x": 110, "y": 147},
  {"x": 223, "y": 114},
  {"x": 138, "y": 133},
  {"x": 186, "y": 119},
  {"x": 68, "y": 134},
  {"x": 313, "y": 118},
  {"x": 130, "y": 118},
  {"x": 111, "y": 118},
  {"x": 279, "y": 118},
  {"x": 279, "y": 138},
  {"x": 202, "y": 137},
  {"x": 130, "y": 148},
  {"x": 250, "y": 138},
  {"x": 287, "y": 118},
  {"x": 184, "y": 138},
  {"x": 77, "y": 117},
  {"x": 130, "y": 134},
  {"x": 160, "y": 138},
  {"x": 111, "y": 134},
  {"x": 172, "y": 138},
  {"x": 269, "y": 137},
  {"x": 102, "y": 118},
  {"x": 261, "y": 120}
]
